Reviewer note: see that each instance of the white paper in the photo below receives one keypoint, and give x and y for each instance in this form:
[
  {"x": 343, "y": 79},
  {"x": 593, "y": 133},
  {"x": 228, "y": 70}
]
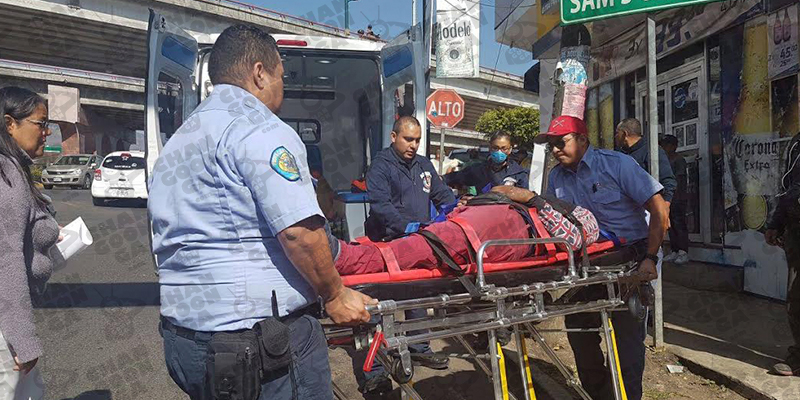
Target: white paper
[{"x": 76, "y": 238}]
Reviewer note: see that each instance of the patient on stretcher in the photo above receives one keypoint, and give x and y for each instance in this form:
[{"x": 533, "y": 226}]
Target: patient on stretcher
[{"x": 496, "y": 220}]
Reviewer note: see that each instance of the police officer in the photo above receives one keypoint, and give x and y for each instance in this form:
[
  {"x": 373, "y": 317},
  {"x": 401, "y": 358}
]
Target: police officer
[
  {"x": 498, "y": 169},
  {"x": 783, "y": 230},
  {"x": 613, "y": 187},
  {"x": 240, "y": 241},
  {"x": 401, "y": 185}
]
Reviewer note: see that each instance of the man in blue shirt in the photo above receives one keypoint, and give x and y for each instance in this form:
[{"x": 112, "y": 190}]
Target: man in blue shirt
[
  {"x": 498, "y": 169},
  {"x": 613, "y": 187},
  {"x": 240, "y": 241},
  {"x": 401, "y": 185}
]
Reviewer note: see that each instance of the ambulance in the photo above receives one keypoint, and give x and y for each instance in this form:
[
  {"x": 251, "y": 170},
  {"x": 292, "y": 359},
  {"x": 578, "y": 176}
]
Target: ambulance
[{"x": 339, "y": 97}]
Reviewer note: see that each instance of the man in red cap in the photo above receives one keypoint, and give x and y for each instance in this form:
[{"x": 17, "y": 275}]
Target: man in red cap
[{"x": 618, "y": 192}]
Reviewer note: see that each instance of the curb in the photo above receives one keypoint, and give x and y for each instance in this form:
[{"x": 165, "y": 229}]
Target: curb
[{"x": 732, "y": 383}]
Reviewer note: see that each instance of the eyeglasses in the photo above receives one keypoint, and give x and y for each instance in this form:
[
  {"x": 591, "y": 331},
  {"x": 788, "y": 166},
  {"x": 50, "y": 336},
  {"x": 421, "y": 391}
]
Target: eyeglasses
[{"x": 42, "y": 124}]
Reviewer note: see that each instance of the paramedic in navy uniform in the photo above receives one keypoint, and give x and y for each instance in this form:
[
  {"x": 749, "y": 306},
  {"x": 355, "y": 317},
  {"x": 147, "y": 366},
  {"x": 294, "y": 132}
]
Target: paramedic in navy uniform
[
  {"x": 239, "y": 240},
  {"x": 401, "y": 185},
  {"x": 613, "y": 187},
  {"x": 498, "y": 169}
]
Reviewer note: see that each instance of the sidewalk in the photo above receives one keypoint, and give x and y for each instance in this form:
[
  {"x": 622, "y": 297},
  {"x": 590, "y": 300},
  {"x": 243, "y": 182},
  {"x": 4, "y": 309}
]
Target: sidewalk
[{"x": 732, "y": 338}]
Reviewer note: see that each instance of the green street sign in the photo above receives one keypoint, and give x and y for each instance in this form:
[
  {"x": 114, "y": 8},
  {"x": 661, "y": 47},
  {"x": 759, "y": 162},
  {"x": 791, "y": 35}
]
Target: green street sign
[
  {"x": 52, "y": 149},
  {"x": 578, "y": 11}
]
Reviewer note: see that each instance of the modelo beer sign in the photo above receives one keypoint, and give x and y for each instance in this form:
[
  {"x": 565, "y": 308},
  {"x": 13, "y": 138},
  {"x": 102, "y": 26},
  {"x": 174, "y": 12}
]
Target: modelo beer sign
[{"x": 457, "y": 39}]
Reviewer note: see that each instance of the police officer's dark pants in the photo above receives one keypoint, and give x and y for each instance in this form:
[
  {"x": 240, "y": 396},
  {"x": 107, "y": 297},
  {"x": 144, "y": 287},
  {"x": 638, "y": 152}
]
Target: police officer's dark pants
[
  {"x": 310, "y": 374},
  {"x": 377, "y": 368},
  {"x": 678, "y": 229},
  {"x": 589, "y": 358},
  {"x": 791, "y": 240}
]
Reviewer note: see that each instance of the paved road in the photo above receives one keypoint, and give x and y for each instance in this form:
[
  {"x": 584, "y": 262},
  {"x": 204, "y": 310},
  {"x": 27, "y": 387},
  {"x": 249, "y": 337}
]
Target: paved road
[{"x": 99, "y": 320}]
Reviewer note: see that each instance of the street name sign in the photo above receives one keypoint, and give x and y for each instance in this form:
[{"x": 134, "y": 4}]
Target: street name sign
[{"x": 579, "y": 11}]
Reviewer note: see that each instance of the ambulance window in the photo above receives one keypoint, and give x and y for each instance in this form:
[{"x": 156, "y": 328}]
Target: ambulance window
[{"x": 170, "y": 105}]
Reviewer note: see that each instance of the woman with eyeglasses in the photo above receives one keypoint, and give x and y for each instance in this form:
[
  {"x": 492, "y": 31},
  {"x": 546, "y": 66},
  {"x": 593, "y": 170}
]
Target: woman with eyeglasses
[
  {"x": 499, "y": 169},
  {"x": 27, "y": 236}
]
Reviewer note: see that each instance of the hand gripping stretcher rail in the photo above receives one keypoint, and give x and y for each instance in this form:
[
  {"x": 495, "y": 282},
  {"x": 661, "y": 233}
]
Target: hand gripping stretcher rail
[{"x": 508, "y": 295}]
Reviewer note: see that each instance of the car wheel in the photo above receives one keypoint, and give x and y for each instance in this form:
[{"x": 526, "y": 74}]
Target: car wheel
[
  {"x": 98, "y": 202},
  {"x": 87, "y": 182},
  {"x": 48, "y": 187}
]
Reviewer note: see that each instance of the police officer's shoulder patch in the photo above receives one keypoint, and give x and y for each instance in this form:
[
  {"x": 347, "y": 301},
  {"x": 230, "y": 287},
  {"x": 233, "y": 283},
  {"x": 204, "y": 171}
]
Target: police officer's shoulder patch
[{"x": 284, "y": 163}]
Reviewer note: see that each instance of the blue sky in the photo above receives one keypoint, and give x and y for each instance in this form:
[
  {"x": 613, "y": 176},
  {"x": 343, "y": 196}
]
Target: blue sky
[{"x": 390, "y": 17}]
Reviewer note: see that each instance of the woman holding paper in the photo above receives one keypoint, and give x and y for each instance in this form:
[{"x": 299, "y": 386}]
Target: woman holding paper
[{"x": 27, "y": 237}]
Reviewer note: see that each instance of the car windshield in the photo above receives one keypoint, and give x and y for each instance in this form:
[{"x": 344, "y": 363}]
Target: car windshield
[
  {"x": 72, "y": 160},
  {"x": 123, "y": 162}
]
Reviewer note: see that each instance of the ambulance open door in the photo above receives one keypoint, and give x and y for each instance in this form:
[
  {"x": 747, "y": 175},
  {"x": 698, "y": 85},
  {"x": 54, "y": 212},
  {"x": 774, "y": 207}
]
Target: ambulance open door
[
  {"x": 403, "y": 61},
  {"x": 171, "y": 90}
]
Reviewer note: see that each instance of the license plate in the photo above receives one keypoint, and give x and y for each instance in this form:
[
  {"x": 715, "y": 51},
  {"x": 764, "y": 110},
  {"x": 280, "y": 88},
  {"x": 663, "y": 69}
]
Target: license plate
[
  {"x": 56, "y": 179},
  {"x": 120, "y": 192}
]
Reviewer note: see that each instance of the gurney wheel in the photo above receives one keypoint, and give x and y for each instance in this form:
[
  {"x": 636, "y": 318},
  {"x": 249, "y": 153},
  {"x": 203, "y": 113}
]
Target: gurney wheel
[{"x": 399, "y": 374}]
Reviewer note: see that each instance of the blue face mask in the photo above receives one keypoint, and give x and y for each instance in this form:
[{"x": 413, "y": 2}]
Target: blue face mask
[{"x": 498, "y": 157}]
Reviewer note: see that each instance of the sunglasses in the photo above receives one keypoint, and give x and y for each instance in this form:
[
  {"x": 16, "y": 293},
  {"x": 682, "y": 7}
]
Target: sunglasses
[{"x": 560, "y": 143}]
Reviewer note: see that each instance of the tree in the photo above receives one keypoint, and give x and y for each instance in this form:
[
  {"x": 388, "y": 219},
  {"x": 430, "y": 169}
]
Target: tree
[{"x": 522, "y": 123}]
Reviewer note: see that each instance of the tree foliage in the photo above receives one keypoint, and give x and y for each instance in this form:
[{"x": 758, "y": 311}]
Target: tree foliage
[{"x": 522, "y": 123}]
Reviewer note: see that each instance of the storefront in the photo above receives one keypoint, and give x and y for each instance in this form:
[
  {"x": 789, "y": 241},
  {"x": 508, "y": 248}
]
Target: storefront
[{"x": 728, "y": 90}]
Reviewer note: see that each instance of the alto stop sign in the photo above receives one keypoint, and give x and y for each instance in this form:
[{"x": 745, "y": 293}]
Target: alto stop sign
[{"x": 445, "y": 108}]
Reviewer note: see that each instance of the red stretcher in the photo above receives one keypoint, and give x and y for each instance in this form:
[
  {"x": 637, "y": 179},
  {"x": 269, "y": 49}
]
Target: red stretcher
[{"x": 546, "y": 255}]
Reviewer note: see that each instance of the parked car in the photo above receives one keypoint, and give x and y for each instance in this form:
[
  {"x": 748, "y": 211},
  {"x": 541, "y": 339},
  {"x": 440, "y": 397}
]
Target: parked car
[
  {"x": 120, "y": 176},
  {"x": 74, "y": 170}
]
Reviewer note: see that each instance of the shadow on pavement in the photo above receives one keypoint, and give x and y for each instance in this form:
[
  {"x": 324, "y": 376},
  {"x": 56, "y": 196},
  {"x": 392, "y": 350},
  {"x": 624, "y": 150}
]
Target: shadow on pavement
[
  {"x": 93, "y": 395},
  {"x": 100, "y": 295}
]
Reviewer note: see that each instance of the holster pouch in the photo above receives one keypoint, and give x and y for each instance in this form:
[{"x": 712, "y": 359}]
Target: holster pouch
[
  {"x": 234, "y": 366},
  {"x": 273, "y": 335}
]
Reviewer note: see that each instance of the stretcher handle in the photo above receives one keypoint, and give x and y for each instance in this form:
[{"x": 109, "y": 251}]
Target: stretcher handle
[
  {"x": 481, "y": 281},
  {"x": 377, "y": 341}
]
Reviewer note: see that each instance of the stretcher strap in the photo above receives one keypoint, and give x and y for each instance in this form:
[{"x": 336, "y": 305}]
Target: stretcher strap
[
  {"x": 541, "y": 231},
  {"x": 472, "y": 236},
  {"x": 388, "y": 257},
  {"x": 440, "y": 250},
  {"x": 363, "y": 240}
]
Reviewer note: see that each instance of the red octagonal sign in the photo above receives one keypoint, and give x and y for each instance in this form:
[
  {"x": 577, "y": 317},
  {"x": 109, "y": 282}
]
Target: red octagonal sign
[{"x": 445, "y": 108}]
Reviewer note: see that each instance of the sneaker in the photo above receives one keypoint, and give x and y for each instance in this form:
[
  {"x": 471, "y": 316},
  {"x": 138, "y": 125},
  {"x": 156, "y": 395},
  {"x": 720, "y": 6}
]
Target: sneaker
[
  {"x": 789, "y": 367},
  {"x": 376, "y": 387},
  {"x": 431, "y": 360},
  {"x": 682, "y": 258},
  {"x": 670, "y": 257}
]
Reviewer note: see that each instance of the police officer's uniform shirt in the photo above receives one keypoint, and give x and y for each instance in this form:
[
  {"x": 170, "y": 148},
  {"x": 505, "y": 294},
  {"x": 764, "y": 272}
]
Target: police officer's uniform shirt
[
  {"x": 612, "y": 186},
  {"x": 227, "y": 182}
]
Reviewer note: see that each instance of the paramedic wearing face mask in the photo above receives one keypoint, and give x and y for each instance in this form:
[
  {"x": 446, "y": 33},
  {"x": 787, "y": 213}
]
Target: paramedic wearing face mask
[{"x": 498, "y": 169}]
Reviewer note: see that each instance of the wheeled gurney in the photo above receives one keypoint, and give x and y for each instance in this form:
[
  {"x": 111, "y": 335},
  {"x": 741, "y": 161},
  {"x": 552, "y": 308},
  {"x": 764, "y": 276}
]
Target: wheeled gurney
[{"x": 487, "y": 297}]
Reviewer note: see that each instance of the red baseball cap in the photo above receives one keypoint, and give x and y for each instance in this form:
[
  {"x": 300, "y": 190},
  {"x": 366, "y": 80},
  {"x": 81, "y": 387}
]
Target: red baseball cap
[{"x": 562, "y": 126}]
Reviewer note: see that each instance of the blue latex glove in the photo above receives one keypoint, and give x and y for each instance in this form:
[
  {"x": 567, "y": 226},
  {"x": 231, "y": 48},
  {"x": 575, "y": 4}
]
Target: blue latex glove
[
  {"x": 412, "y": 227},
  {"x": 446, "y": 209},
  {"x": 487, "y": 188}
]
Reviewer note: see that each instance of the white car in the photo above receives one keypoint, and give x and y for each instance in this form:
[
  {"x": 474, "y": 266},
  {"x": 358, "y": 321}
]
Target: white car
[{"x": 121, "y": 175}]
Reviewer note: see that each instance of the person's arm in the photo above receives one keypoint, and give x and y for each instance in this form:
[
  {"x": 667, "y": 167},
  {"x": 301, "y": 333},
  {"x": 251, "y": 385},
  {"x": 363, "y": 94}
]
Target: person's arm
[
  {"x": 643, "y": 189},
  {"x": 441, "y": 194},
  {"x": 659, "y": 221},
  {"x": 380, "y": 196},
  {"x": 306, "y": 246},
  {"x": 16, "y": 319},
  {"x": 271, "y": 164},
  {"x": 666, "y": 176}
]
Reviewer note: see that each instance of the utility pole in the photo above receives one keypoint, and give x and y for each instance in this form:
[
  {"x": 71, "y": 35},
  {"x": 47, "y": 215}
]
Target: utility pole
[
  {"x": 347, "y": 14},
  {"x": 652, "y": 86}
]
